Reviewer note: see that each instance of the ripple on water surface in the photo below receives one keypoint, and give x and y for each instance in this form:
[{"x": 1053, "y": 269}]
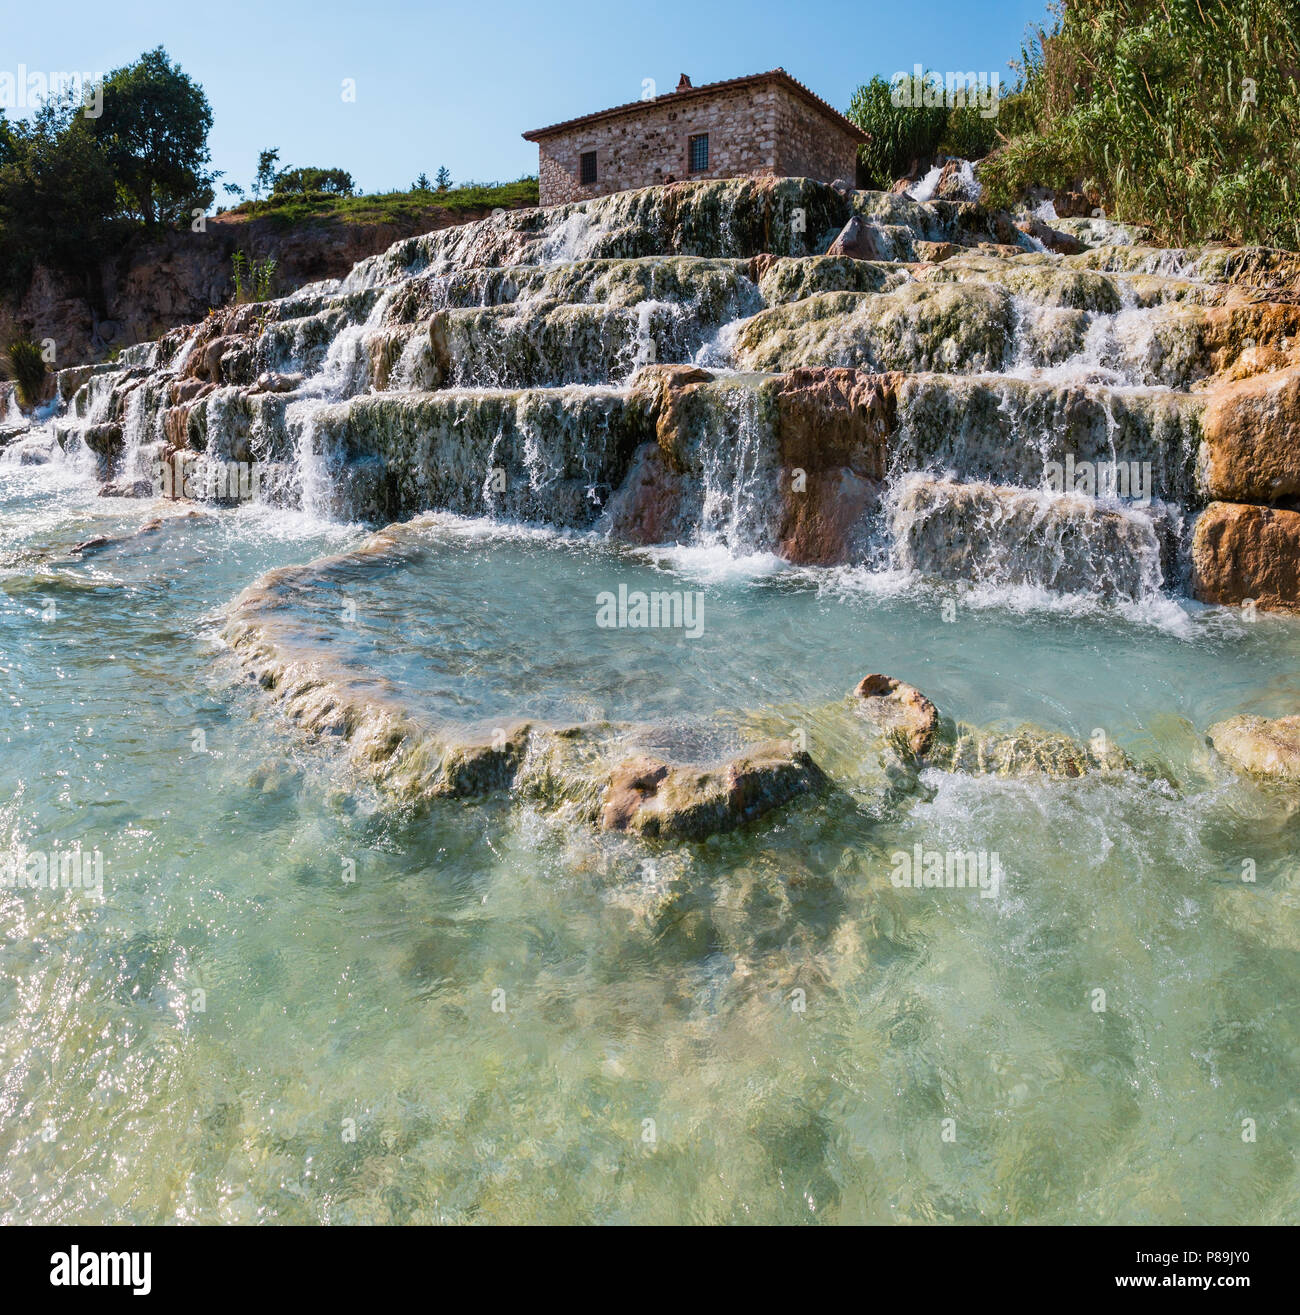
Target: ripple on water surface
[{"x": 276, "y": 961}]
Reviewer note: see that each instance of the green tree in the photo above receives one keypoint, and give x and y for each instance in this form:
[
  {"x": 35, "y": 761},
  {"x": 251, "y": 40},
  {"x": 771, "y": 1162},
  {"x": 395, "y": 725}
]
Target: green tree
[
  {"x": 264, "y": 179},
  {"x": 300, "y": 182},
  {"x": 443, "y": 178},
  {"x": 421, "y": 184},
  {"x": 58, "y": 197},
  {"x": 154, "y": 134}
]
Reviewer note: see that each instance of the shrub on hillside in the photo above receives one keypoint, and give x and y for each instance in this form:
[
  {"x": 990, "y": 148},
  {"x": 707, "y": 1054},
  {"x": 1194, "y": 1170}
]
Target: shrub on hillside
[
  {"x": 899, "y": 133},
  {"x": 23, "y": 363},
  {"x": 1181, "y": 114}
]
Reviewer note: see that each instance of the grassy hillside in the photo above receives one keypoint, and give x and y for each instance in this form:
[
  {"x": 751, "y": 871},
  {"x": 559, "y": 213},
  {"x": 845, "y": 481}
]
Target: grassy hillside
[{"x": 390, "y": 207}]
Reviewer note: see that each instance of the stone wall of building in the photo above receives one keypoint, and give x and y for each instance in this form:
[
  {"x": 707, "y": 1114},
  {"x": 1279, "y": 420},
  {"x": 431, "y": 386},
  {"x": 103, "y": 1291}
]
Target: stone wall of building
[
  {"x": 810, "y": 144},
  {"x": 753, "y": 130}
]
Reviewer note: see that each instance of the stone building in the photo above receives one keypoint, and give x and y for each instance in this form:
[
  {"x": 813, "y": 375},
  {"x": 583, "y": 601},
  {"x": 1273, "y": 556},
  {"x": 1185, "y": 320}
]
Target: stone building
[{"x": 762, "y": 124}]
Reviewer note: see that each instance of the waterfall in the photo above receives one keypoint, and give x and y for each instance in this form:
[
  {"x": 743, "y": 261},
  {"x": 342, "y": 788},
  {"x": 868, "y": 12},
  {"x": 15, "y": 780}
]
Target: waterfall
[{"x": 515, "y": 368}]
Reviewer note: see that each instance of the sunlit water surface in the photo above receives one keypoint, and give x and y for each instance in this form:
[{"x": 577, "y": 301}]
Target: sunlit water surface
[{"x": 503, "y": 1019}]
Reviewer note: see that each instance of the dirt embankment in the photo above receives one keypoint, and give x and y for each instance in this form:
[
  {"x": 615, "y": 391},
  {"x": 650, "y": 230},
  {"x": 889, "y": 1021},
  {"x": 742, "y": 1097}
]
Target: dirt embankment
[{"x": 176, "y": 277}]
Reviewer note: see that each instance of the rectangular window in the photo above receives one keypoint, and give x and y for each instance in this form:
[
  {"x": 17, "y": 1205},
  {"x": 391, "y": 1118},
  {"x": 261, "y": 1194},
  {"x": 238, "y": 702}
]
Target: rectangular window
[
  {"x": 700, "y": 153},
  {"x": 588, "y": 167}
]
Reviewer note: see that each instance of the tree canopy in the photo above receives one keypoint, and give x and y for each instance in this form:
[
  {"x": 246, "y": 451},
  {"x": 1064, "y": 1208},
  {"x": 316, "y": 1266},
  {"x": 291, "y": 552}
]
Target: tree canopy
[{"x": 154, "y": 133}]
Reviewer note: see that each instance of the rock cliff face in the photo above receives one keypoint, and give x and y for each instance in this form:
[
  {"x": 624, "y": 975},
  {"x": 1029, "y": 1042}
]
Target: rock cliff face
[
  {"x": 941, "y": 396},
  {"x": 178, "y": 277}
]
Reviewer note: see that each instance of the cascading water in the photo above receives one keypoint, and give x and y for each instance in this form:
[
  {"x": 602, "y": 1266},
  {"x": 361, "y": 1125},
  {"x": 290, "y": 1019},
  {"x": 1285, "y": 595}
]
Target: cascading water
[{"x": 660, "y": 483}]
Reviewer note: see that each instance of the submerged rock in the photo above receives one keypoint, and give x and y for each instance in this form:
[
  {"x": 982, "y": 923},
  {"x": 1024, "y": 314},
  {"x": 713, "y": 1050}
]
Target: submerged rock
[
  {"x": 1259, "y": 745},
  {"x": 911, "y": 722},
  {"x": 900, "y": 710},
  {"x": 127, "y": 488},
  {"x": 1025, "y": 751}
]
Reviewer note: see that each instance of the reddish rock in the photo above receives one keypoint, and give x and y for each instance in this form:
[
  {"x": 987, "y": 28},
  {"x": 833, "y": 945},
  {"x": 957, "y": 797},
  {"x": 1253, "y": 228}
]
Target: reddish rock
[
  {"x": 858, "y": 240},
  {"x": 1244, "y": 552},
  {"x": 1252, "y": 339},
  {"x": 647, "y": 506},
  {"x": 660, "y": 389},
  {"x": 833, "y": 428},
  {"x": 186, "y": 390},
  {"x": 1251, "y": 431},
  {"x": 831, "y": 417},
  {"x": 824, "y": 523},
  {"x": 760, "y": 264}
]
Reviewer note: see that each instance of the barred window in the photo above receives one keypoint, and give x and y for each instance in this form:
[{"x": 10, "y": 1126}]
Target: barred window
[
  {"x": 588, "y": 167},
  {"x": 699, "y": 153}
]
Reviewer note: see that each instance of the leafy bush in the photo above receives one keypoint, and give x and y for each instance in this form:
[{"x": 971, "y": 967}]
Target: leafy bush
[
  {"x": 285, "y": 209},
  {"x": 23, "y": 363},
  {"x": 254, "y": 278},
  {"x": 968, "y": 134},
  {"x": 1181, "y": 114},
  {"x": 74, "y": 189},
  {"x": 58, "y": 197}
]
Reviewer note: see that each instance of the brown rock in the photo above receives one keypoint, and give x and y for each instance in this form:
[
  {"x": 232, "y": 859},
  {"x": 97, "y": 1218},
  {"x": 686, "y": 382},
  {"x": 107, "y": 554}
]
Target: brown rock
[
  {"x": 900, "y": 710},
  {"x": 831, "y": 417},
  {"x": 1252, "y": 338},
  {"x": 1244, "y": 552},
  {"x": 1073, "y": 205},
  {"x": 760, "y": 264},
  {"x": 858, "y": 240},
  {"x": 935, "y": 252},
  {"x": 1251, "y": 432},
  {"x": 647, "y": 506},
  {"x": 660, "y": 390},
  {"x": 824, "y": 521},
  {"x": 187, "y": 390},
  {"x": 833, "y": 429},
  {"x": 1260, "y": 746},
  {"x": 655, "y": 799}
]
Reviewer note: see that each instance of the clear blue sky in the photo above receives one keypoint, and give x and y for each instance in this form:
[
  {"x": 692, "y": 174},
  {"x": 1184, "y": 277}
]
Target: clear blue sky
[{"x": 456, "y": 84}]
